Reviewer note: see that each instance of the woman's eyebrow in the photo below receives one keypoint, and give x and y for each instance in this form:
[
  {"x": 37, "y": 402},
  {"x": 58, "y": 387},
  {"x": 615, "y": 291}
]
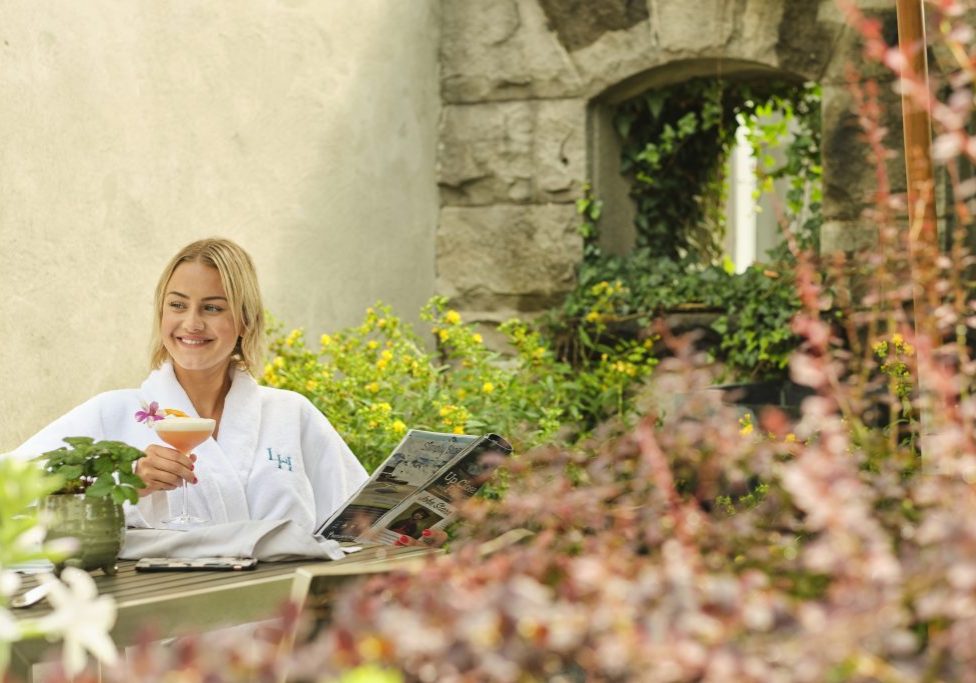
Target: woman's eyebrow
[{"x": 206, "y": 298}]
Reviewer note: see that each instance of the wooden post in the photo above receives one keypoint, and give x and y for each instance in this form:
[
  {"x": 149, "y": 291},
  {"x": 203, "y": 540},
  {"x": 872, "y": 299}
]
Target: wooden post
[
  {"x": 923, "y": 236},
  {"x": 923, "y": 242}
]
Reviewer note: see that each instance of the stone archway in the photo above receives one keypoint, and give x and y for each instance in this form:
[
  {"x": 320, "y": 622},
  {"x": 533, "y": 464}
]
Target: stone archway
[{"x": 523, "y": 84}]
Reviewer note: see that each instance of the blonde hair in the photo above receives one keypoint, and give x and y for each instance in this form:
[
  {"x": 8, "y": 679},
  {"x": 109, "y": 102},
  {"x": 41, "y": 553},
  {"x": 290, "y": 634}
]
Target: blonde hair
[{"x": 240, "y": 281}]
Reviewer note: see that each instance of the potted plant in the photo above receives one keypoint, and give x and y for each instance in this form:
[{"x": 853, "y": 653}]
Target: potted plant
[{"x": 96, "y": 478}]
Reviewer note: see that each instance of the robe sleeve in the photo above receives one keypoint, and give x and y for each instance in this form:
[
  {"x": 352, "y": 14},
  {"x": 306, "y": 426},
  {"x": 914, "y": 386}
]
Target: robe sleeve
[
  {"x": 333, "y": 470},
  {"x": 83, "y": 420}
]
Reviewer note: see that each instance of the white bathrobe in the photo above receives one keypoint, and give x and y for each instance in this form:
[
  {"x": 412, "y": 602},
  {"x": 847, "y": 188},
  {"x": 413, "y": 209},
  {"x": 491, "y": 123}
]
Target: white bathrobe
[{"x": 275, "y": 457}]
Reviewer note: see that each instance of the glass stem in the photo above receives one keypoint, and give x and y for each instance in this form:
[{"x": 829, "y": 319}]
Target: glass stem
[{"x": 185, "y": 513}]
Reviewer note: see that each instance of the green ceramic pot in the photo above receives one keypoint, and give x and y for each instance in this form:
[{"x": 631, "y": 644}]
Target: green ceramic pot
[{"x": 97, "y": 523}]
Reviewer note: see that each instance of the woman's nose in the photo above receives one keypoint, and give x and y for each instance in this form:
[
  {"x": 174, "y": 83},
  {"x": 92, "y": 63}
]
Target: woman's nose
[{"x": 193, "y": 322}]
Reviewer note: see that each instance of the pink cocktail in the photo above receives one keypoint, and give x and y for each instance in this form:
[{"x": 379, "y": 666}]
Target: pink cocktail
[{"x": 184, "y": 434}]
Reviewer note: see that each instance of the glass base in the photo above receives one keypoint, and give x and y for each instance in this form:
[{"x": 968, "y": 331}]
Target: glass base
[{"x": 185, "y": 522}]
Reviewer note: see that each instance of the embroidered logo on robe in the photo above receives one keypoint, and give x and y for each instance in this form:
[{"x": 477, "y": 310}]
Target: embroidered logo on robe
[{"x": 279, "y": 460}]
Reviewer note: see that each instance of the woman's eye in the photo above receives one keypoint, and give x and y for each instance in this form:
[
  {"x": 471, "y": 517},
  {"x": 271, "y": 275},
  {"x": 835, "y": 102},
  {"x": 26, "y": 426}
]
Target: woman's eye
[
  {"x": 177, "y": 305},
  {"x": 212, "y": 308}
]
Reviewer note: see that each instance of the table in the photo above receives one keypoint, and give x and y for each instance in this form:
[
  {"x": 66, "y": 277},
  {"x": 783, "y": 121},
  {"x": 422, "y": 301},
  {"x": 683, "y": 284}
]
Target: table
[{"x": 178, "y": 603}]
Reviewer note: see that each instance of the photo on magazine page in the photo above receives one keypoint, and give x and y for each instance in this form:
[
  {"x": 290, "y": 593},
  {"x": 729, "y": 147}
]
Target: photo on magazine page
[
  {"x": 415, "y": 460},
  {"x": 434, "y": 505}
]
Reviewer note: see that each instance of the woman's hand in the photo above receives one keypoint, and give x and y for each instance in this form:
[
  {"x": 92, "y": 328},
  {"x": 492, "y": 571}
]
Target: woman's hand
[{"x": 163, "y": 469}]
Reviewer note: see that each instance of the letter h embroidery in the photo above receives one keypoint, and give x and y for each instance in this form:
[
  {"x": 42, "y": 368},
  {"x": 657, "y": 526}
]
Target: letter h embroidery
[{"x": 281, "y": 462}]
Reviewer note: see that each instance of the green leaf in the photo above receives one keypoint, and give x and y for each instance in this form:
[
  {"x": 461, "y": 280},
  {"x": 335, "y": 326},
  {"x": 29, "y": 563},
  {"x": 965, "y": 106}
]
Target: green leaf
[{"x": 102, "y": 486}]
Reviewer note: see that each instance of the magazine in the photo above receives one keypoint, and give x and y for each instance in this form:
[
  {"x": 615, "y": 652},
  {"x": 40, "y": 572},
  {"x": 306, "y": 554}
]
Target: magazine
[{"x": 416, "y": 487}]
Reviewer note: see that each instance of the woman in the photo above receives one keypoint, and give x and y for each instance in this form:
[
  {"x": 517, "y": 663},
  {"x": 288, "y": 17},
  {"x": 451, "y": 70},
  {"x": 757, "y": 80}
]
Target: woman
[{"x": 273, "y": 455}]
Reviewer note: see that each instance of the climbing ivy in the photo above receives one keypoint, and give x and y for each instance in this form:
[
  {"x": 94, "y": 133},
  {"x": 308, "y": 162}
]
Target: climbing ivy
[{"x": 677, "y": 140}]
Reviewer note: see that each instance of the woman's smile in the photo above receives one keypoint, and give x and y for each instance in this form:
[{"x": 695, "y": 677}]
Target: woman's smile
[{"x": 198, "y": 328}]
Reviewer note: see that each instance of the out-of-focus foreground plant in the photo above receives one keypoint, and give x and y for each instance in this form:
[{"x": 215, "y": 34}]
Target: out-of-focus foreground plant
[{"x": 80, "y": 618}]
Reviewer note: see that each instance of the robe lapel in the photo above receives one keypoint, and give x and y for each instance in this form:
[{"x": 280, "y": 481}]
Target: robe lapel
[{"x": 241, "y": 423}]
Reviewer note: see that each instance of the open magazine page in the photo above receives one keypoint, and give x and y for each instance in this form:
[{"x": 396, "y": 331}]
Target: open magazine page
[
  {"x": 434, "y": 505},
  {"x": 415, "y": 460}
]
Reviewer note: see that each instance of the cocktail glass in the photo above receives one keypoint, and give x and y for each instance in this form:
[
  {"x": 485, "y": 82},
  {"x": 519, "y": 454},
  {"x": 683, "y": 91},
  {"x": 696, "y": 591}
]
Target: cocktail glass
[{"x": 184, "y": 434}]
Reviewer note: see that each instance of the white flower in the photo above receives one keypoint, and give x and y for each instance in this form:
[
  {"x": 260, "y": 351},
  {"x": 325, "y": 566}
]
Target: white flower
[
  {"x": 9, "y": 631},
  {"x": 81, "y": 617},
  {"x": 9, "y": 583}
]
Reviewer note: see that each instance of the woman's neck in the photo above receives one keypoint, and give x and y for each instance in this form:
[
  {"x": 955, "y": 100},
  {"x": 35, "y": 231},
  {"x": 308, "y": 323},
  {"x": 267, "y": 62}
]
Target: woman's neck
[{"x": 206, "y": 390}]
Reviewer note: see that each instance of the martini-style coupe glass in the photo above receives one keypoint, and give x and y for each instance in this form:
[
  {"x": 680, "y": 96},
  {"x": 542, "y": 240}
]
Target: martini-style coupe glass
[{"x": 184, "y": 434}]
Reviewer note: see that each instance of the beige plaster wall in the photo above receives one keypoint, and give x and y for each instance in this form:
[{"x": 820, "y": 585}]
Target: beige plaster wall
[{"x": 306, "y": 130}]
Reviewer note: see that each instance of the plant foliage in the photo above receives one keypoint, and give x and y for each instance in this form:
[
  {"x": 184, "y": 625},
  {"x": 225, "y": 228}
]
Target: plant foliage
[
  {"x": 375, "y": 380},
  {"x": 96, "y": 468}
]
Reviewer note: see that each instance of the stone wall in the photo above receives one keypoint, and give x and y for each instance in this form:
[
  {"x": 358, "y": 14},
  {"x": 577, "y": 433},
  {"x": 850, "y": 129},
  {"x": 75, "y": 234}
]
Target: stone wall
[{"x": 526, "y": 89}]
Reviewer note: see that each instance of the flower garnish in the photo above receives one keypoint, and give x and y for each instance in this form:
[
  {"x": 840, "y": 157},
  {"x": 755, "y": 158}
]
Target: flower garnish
[
  {"x": 149, "y": 413},
  {"x": 174, "y": 412}
]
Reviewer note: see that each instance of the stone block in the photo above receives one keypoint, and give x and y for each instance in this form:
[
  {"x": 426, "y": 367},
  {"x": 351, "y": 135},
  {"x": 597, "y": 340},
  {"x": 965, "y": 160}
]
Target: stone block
[
  {"x": 579, "y": 23},
  {"x": 502, "y": 50},
  {"x": 757, "y": 31},
  {"x": 692, "y": 29},
  {"x": 848, "y": 236},
  {"x": 804, "y": 42},
  {"x": 850, "y": 180},
  {"x": 502, "y": 152},
  {"x": 507, "y": 256},
  {"x": 843, "y": 47}
]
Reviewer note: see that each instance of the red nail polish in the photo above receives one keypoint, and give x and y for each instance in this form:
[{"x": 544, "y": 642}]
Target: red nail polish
[
  {"x": 403, "y": 539},
  {"x": 426, "y": 532},
  {"x": 195, "y": 480}
]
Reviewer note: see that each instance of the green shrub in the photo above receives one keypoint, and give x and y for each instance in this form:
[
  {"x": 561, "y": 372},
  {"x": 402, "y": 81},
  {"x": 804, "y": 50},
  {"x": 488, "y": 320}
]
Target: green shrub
[{"x": 376, "y": 380}]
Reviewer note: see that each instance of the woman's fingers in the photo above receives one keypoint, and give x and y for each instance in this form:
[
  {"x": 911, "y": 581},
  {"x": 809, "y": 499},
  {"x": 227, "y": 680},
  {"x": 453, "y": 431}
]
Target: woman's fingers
[{"x": 164, "y": 469}]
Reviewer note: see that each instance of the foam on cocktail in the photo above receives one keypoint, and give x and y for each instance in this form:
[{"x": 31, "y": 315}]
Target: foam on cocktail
[{"x": 184, "y": 424}]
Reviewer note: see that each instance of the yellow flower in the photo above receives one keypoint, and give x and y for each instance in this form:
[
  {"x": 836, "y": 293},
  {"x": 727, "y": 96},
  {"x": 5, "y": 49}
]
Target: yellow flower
[
  {"x": 293, "y": 337},
  {"x": 387, "y": 355},
  {"x": 384, "y": 407},
  {"x": 593, "y": 317},
  {"x": 373, "y": 387},
  {"x": 462, "y": 393},
  {"x": 746, "y": 430},
  {"x": 452, "y": 317},
  {"x": 446, "y": 410},
  {"x": 487, "y": 387},
  {"x": 790, "y": 438},
  {"x": 311, "y": 385},
  {"x": 909, "y": 350},
  {"x": 382, "y": 363},
  {"x": 539, "y": 353},
  {"x": 372, "y": 344},
  {"x": 278, "y": 362},
  {"x": 381, "y": 323},
  {"x": 459, "y": 430},
  {"x": 442, "y": 335},
  {"x": 325, "y": 340},
  {"x": 476, "y": 338},
  {"x": 897, "y": 339},
  {"x": 398, "y": 427}
]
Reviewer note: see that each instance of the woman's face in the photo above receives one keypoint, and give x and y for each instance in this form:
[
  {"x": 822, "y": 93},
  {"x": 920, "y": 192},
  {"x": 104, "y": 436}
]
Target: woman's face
[{"x": 197, "y": 325}]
